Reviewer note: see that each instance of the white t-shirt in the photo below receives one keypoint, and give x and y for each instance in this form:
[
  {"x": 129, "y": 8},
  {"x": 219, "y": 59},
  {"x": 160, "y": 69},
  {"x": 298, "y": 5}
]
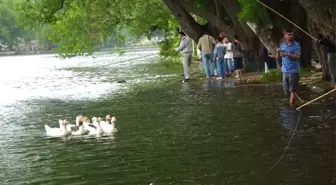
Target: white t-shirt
[{"x": 229, "y": 54}]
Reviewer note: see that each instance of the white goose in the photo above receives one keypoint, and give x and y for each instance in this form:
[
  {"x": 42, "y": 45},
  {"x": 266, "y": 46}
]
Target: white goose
[
  {"x": 94, "y": 128},
  {"x": 71, "y": 127},
  {"x": 109, "y": 127},
  {"x": 87, "y": 124},
  {"x": 58, "y": 132},
  {"x": 81, "y": 129}
]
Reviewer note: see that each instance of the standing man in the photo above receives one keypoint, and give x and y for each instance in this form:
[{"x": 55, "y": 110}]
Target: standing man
[
  {"x": 206, "y": 45},
  {"x": 238, "y": 57},
  {"x": 186, "y": 49},
  {"x": 290, "y": 51}
]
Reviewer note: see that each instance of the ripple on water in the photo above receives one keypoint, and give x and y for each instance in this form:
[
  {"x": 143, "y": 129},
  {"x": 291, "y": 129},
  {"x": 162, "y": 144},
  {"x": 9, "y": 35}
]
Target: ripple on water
[{"x": 169, "y": 133}]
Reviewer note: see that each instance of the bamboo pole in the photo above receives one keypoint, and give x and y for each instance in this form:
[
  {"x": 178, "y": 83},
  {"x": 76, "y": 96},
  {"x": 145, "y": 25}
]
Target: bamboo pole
[
  {"x": 287, "y": 20},
  {"x": 316, "y": 99}
]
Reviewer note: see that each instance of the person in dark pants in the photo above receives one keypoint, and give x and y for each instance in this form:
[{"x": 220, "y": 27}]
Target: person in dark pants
[
  {"x": 270, "y": 62},
  {"x": 238, "y": 57},
  {"x": 329, "y": 48},
  {"x": 290, "y": 51}
]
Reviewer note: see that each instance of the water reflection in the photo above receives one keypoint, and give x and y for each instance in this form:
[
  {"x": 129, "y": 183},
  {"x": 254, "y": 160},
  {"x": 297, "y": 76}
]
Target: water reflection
[
  {"x": 170, "y": 133},
  {"x": 289, "y": 117},
  {"x": 219, "y": 84}
]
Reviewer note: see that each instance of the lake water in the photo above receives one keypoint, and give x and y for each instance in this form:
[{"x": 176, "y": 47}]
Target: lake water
[{"x": 200, "y": 133}]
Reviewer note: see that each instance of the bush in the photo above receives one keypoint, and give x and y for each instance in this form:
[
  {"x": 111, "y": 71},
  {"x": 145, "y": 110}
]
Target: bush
[
  {"x": 167, "y": 47},
  {"x": 272, "y": 76},
  {"x": 276, "y": 76}
]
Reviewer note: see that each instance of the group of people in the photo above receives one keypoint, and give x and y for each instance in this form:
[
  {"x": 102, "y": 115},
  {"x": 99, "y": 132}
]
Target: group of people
[
  {"x": 217, "y": 55},
  {"x": 227, "y": 57}
]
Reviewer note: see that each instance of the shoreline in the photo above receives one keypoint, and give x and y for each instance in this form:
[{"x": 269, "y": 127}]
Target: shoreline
[
  {"x": 255, "y": 79},
  {"x": 23, "y": 53},
  {"x": 44, "y": 52}
]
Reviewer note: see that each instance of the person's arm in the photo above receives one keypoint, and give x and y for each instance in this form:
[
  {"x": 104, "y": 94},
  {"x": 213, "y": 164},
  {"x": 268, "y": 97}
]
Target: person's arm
[
  {"x": 215, "y": 53},
  {"x": 182, "y": 45},
  {"x": 199, "y": 45},
  {"x": 296, "y": 55},
  {"x": 229, "y": 47},
  {"x": 213, "y": 41},
  {"x": 277, "y": 54},
  {"x": 241, "y": 47}
]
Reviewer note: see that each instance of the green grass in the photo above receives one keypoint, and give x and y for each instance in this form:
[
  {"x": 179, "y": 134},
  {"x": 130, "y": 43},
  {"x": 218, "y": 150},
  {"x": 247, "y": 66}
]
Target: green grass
[{"x": 276, "y": 76}]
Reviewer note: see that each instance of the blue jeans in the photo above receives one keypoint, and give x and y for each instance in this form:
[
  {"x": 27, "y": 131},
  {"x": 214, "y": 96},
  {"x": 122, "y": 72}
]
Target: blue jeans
[
  {"x": 209, "y": 64},
  {"x": 222, "y": 67},
  {"x": 230, "y": 64}
]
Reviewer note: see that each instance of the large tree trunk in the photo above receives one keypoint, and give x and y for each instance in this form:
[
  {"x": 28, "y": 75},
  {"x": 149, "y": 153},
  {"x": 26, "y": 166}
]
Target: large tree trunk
[
  {"x": 186, "y": 21},
  {"x": 322, "y": 20},
  {"x": 225, "y": 20},
  {"x": 247, "y": 36}
]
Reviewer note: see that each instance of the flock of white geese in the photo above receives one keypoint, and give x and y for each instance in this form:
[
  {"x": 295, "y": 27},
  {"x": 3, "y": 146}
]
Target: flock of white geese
[{"x": 84, "y": 126}]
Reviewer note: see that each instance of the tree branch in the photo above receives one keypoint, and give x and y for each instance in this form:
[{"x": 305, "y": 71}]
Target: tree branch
[
  {"x": 187, "y": 22},
  {"x": 208, "y": 16}
]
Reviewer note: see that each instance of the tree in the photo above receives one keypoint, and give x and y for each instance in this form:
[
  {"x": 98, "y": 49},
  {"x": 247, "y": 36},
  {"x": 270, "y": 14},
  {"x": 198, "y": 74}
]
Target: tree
[
  {"x": 80, "y": 25},
  {"x": 9, "y": 30}
]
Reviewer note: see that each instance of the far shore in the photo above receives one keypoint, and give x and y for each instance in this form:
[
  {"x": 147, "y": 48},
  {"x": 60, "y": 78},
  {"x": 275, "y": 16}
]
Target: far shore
[{"x": 43, "y": 52}]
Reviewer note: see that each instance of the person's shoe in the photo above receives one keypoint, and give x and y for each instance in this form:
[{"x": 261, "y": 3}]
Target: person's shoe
[
  {"x": 220, "y": 78},
  {"x": 185, "y": 80}
]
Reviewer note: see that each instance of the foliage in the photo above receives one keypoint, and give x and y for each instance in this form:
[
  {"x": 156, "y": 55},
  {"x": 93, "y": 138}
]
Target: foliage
[
  {"x": 148, "y": 16},
  {"x": 9, "y": 30},
  {"x": 252, "y": 11},
  {"x": 167, "y": 47},
  {"x": 276, "y": 76},
  {"x": 81, "y": 25},
  {"x": 200, "y": 20},
  {"x": 272, "y": 76}
]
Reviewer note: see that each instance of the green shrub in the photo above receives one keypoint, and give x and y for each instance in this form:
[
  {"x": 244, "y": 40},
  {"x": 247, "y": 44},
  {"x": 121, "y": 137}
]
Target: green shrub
[
  {"x": 167, "y": 47},
  {"x": 276, "y": 76},
  {"x": 272, "y": 76}
]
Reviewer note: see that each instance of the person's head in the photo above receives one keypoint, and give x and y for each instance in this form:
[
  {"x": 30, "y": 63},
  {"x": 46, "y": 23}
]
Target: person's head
[
  {"x": 181, "y": 34},
  {"x": 236, "y": 39},
  {"x": 226, "y": 40},
  {"x": 289, "y": 35},
  {"x": 222, "y": 34},
  {"x": 220, "y": 39},
  {"x": 320, "y": 36}
]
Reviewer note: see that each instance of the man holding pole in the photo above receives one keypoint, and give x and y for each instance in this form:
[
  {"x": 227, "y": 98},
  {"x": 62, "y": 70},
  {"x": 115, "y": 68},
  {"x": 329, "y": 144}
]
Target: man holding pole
[
  {"x": 186, "y": 49},
  {"x": 290, "y": 51}
]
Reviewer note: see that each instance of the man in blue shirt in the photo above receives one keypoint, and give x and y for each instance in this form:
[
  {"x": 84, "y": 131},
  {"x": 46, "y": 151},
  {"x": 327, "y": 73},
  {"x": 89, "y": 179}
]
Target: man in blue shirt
[{"x": 290, "y": 51}]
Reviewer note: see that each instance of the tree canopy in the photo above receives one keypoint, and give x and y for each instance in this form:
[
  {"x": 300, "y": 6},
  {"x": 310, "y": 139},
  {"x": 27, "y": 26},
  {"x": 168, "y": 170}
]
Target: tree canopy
[{"x": 80, "y": 25}]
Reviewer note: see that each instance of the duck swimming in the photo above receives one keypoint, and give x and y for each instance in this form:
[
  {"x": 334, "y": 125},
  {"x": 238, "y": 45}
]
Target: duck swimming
[
  {"x": 109, "y": 127},
  {"x": 80, "y": 125},
  {"x": 58, "y": 132}
]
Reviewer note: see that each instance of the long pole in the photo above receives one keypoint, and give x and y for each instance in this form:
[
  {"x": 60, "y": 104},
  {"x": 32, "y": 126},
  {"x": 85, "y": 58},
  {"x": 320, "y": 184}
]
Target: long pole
[
  {"x": 286, "y": 19},
  {"x": 316, "y": 99}
]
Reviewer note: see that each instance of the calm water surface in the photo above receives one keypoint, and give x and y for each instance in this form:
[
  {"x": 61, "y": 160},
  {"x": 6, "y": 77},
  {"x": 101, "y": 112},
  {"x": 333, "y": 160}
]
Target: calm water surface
[{"x": 202, "y": 133}]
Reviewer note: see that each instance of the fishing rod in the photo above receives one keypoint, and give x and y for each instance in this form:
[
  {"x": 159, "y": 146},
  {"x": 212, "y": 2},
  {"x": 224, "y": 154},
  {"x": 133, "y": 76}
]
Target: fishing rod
[
  {"x": 287, "y": 19},
  {"x": 298, "y": 109}
]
